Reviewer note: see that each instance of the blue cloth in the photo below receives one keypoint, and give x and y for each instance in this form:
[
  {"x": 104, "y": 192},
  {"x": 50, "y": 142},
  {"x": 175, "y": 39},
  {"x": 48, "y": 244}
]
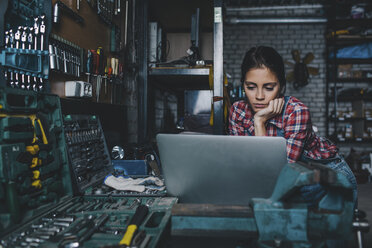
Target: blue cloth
[{"x": 361, "y": 51}]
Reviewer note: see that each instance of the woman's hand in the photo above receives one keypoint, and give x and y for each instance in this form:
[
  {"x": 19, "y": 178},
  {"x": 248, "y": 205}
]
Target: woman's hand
[{"x": 275, "y": 107}]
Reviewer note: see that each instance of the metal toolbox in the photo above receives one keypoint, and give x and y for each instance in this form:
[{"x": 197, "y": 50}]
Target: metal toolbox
[
  {"x": 90, "y": 161},
  {"x": 40, "y": 209},
  {"x": 34, "y": 171}
]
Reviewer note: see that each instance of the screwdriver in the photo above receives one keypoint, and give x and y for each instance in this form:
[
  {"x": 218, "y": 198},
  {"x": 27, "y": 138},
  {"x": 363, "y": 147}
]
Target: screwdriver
[{"x": 135, "y": 222}]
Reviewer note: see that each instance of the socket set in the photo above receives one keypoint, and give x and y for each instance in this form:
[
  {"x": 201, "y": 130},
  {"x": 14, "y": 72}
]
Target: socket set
[
  {"x": 95, "y": 222},
  {"x": 87, "y": 151},
  {"x": 28, "y": 43},
  {"x": 64, "y": 56},
  {"x": 24, "y": 41},
  {"x": 90, "y": 161}
]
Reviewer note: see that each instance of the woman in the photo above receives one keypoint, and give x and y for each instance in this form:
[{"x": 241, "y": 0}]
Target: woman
[{"x": 267, "y": 112}]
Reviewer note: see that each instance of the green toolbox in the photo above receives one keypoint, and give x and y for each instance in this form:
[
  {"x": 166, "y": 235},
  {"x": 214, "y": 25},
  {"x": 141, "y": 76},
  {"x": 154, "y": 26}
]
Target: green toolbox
[{"x": 43, "y": 201}]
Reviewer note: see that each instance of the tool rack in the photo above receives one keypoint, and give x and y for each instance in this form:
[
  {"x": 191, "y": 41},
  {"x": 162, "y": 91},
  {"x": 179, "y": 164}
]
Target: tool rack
[{"x": 24, "y": 58}]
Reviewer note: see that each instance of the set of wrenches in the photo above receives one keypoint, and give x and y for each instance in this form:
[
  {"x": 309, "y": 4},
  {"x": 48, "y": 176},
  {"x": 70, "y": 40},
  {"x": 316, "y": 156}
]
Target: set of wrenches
[
  {"x": 64, "y": 58},
  {"x": 26, "y": 38},
  {"x": 76, "y": 222},
  {"x": 80, "y": 136}
]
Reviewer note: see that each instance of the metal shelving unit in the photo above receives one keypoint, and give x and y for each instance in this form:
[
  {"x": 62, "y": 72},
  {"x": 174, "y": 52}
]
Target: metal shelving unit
[
  {"x": 181, "y": 78},
  {"x": 333, "y": 80},
  {"x": 178, "y": 79}
]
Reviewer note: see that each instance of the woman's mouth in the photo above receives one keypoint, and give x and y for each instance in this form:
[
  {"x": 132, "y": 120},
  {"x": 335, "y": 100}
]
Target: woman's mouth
[{"x": 259, "y": 105}]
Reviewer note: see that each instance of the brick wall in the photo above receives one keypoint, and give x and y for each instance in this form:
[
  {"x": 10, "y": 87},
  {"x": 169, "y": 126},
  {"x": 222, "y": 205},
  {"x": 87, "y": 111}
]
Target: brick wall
[{"x": 284, "y": 38}]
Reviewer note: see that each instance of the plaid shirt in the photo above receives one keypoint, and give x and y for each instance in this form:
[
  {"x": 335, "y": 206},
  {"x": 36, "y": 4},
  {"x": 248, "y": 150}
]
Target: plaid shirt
[{"x": 297, "y": 127}]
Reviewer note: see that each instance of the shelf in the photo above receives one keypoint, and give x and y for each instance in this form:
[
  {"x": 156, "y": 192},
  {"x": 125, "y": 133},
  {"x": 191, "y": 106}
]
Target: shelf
[
  {"x": 86, "y": 106},
  {"x": 354, "y": 140},
  {"x": 350, "y": 61},
  {"x": 350, "y": 119},
  {"x": 349, "y": 39},
  {"x": 352, "y": 80},
  {"x": 351, "y": 98},
  {"x": 180, "y": 78},
  {"x": 339, "y": 23}
]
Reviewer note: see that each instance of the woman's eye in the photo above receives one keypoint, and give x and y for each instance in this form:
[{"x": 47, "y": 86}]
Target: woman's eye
[
  {"x": 269, "y": 88},
  {"x": 250, "y": 87}
]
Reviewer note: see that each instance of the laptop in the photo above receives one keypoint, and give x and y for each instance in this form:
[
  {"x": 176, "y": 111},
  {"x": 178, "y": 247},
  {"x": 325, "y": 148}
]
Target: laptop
[{"x": 218, "y": 169}]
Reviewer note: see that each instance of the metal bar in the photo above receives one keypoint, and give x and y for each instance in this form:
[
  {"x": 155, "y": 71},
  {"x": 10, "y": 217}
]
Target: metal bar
[
  {"x": 218, "y": 124},
  {"x": 235, "y": 20},
  {"x": 142, "y": 74},
  {"x": 3, "y": 8},
  {"x": 304, "y": 6},
  {"x": 211, "y": 210},
  {"x": 175, "y": 71}
]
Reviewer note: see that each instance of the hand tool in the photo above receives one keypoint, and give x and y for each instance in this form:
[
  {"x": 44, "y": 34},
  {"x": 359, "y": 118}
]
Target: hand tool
[
  {"x": 52, "y": 57},
  {"x": 6, "y": 38},
  {"x": 119, "y": 204},
  {"x": 78, "y": 64},
  {"x": 29, "y": 41},
  {"x": 42, "y": 32},
  {"x": 135, "y": 202},
  {"x": 17, "y": 37},
  {"x": 150, "y": 201},
  {"x": 89, "y": 229},
  {"x": 36, "y": 32},
  {"x": 68, "y": 219},
  {"x": 60, "y": 6},
  {"x": 30, "y": 37},
  {"x": 64, "y": 58},
  {"x": 137, "y": 219},
  {"x": 101, "y": 59},
  {"x": 23, "y": 46},
  {"x": 16, "y": 82},
  {"x": 11, "y": 38},
  {"x": 24, "y": 38},
  {"x": 98, "y": 88},
  {"x": 139, "y": 238}
]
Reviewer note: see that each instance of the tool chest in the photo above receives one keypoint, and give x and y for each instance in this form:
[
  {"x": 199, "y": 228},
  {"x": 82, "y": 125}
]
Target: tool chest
[
  {"x": 38, "y": 206},
  {"x": 90, "y": 160}
]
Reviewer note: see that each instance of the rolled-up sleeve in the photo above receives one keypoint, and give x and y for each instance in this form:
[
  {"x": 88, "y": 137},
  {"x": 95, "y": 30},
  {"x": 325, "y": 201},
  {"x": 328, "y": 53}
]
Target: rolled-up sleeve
[
  {"x": 297, "y": 129},
  {"x": 233, "y": 125}
]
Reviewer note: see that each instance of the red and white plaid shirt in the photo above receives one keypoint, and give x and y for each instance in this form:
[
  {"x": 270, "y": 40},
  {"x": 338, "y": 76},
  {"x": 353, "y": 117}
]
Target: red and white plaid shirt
[{"x": 296, "y": 125}]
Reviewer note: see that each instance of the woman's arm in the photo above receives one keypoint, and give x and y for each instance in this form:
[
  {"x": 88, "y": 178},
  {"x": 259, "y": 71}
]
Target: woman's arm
[
  {"x": 261, "y": 117},
  {"x": 234, "y": 127},
  {"x": 297, "y": 129}
]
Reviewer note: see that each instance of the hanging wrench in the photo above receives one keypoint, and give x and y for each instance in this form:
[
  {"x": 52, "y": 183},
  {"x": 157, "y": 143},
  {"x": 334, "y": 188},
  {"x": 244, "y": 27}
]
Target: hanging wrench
[
  {"x": 36, "y": 31},
  {"x": 42, "y": 32},
  {"x": 17, "y": 37}
]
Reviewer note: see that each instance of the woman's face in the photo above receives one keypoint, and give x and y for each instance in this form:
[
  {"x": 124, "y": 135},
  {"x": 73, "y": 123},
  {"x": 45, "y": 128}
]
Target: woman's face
[{"x": 260, "y": 86}]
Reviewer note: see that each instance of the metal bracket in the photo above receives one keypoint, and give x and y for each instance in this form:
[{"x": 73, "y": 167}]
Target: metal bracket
[{"x": 35, "y": 62}]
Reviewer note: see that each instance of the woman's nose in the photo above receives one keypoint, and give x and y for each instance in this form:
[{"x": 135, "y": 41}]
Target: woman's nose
[{"x": 260, "y": 95}]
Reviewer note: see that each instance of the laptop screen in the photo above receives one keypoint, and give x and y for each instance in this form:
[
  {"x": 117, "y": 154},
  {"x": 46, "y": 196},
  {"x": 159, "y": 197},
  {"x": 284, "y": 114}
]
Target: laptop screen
[{"x": 220, "y": 169}]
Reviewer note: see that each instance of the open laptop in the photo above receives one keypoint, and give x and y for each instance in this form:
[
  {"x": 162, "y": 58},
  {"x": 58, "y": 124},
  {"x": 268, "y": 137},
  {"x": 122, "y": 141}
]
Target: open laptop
[{"x": 220, "y": 169}]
